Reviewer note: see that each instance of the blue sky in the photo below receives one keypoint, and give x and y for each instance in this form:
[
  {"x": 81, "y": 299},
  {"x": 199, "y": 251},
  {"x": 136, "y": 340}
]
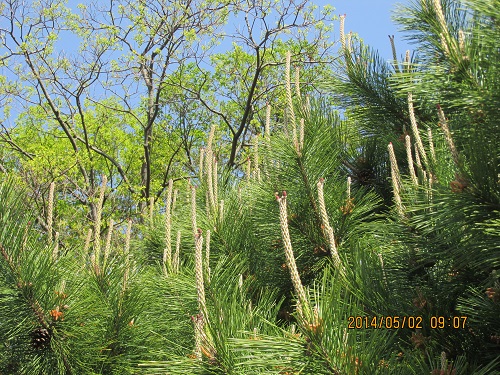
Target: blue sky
[{"x": 371, "y": 19}]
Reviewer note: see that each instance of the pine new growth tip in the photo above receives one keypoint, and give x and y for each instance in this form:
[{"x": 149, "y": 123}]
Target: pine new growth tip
[
  {"x": 443, "y": 361},
  {"x": 417, "y": 159},
  {"x": 198, "y": 258},
  {"x": 198, "y": 335},
  {"x": 200, "y": 167},
  {"x": 210, "y": 177},
  {"x": 215, "y": 177},
  {"x": 348, "y": 42},
  {"x": 86, "y": 246},
  {"x": 349, "y": 205},
  {"x": 107, "y": 247},
  {"x": 414, "y": 129},
  {"x": 443, "y": 123},
  {"x": 461, "y": 42},
  {"x": 444, "y": 44},
  {"x": 211, "y": 137},
  {"x": 396, "y": 180},
  {"x": 431, "y": 145},
  {"x": 342, "y": 32},
  {"x": 407, "y": 68},
  {"x": 439, "y": 13},
  {"x": 410, "y": 160},
  {"x": 327, "y": 229},
  {"x": 97, "y": 224},
  {"x": 290, "y": 258}
]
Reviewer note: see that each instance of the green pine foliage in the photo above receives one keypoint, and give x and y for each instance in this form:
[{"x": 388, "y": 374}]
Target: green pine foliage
[{"x": 391, "y": 273}]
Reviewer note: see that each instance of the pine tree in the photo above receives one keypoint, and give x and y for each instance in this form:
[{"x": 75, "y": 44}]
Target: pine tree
[
  {"x": 443, "y": 235},
  {"x": 344, "y": 248}
]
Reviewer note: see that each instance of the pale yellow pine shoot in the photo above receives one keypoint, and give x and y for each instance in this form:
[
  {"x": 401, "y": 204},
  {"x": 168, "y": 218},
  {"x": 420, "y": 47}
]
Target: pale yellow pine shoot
[
  {"x": 396, "y": 180},
  {"x": 290, "y": 258},
  {"x": 410, "y": 160}
]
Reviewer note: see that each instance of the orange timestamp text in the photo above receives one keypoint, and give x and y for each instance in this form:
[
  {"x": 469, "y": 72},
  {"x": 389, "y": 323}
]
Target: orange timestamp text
[{"x": 405, "y": 321}]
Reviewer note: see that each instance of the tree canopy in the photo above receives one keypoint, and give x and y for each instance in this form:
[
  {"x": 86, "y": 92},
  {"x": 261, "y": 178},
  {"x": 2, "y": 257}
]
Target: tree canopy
[{"x": 181, "y": 197}]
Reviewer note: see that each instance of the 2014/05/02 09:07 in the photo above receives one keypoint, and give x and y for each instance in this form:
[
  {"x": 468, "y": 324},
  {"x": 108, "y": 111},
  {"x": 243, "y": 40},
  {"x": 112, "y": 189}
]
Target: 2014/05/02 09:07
[{"x": 412, "y": 322}]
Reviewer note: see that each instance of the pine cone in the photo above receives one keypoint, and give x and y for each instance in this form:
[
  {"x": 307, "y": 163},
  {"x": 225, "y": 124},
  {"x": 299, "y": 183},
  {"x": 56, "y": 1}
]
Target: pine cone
[{"x": 40, "y": 338}]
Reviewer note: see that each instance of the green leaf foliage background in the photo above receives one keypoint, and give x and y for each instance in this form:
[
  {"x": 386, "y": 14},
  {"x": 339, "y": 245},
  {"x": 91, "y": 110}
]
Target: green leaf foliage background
[{"x": 196, "y": 277}]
